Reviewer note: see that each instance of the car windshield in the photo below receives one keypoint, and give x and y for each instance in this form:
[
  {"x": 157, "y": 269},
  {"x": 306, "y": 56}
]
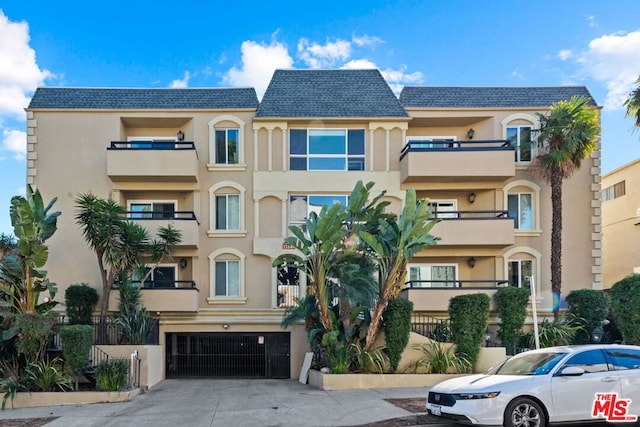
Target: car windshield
[{"x": 530, "y": 364}]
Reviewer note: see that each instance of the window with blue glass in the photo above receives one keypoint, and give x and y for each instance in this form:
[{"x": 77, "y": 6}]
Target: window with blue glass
[
  {"x": 326, "y": 149},
  {"x": 301, "y": 206}
]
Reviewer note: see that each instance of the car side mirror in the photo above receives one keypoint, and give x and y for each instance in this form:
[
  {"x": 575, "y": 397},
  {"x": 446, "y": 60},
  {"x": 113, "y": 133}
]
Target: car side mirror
[{"x": 571, "y": 371}]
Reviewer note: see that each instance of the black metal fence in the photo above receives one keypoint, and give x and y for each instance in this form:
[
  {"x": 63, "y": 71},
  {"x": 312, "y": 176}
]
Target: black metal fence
[
  {"x": 438, "y": 329},
  {"x": 106, "y": 331}
]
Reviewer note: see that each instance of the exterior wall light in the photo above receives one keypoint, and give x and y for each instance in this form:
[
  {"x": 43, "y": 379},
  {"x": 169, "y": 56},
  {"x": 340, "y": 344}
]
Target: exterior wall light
[
  {"x": 180, "y": 135},
  {"x": 225, "y": 326},
  {"x": 472, "y": 197},
  {"x": 472, "y": 262},
  {"x": 470, "y": 133},
  {"x": 183, "y": 263}
]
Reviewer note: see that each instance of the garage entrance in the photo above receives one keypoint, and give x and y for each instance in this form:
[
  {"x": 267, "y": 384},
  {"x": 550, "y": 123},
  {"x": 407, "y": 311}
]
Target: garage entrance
[{"x": 228, "y": 355}]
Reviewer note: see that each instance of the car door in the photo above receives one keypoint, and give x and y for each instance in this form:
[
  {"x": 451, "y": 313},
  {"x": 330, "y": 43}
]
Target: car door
[
  {"x": 573, "y": 395},
  {"x": 626, "y": 362}
]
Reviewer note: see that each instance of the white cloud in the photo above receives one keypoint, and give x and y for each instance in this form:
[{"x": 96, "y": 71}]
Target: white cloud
[
  {"x": 19, "y": 72},
  {"x": 15, "y": 142},
  {"x": 614, "y": 60},
  {"x": 518, "y": 74},
  {"x": 565, "y": 54},
  {"x": 259, "y": 61},
  {"x": 323, "y": 56},
  {"x": 397, "y": 79},
  {"x": 592, "y": 21},
  {"x": 366, "y": 40},
  {"x": 359, "y": 64},
  {"x": 181, "y": 83}
]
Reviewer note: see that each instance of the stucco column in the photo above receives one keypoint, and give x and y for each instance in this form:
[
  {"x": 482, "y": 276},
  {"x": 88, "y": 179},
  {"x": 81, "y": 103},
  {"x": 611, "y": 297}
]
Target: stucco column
[
  {"x": 371, "y": 132},
  {"x": 255, "y": 150},
  {"x": 284, "y": 217},
  {"x": 388, "y": 146},
  {"x": 256, "y": 218},
  {"x": 285, "y": 150}
]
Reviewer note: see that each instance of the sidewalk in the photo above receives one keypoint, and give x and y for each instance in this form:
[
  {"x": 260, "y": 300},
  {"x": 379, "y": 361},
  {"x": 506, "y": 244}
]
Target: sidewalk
[{"x": 223, "y": 403}]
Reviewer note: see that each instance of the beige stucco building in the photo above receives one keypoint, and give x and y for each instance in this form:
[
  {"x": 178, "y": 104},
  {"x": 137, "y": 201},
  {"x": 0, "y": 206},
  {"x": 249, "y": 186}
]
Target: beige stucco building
[
  {"x": 233, "y": 173},
  {"x": 620, "y": 223}
]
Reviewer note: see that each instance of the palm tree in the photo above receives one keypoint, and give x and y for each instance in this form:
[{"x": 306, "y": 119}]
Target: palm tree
[
  {"x": 568, "y": 134},
  {"x": 633, "y": 104}
]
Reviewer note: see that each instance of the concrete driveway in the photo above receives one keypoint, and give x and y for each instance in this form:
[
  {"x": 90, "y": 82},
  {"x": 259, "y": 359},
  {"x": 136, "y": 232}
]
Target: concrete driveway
[{"x": 223, "y": 403}]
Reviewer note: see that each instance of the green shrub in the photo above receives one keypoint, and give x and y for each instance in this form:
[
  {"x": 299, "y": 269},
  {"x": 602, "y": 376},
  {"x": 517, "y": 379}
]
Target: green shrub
[
  {"x": 589, "y": 307},
  {"x": 625, "y": 300},
  {"x": 76, "y": 348},
  {"x": 559, "y": 331},
  {"x": 112, "y": 374},
  {"x": 368, "y": 361},
  {"x": 397, "y": 327},
  {"x": 49, "y": 376},
  {"x": 511, "y": 303},
  {"x": 469, "y": 315},
  {"x": 34, "y": 332},
  {"x": 137, "y": 324},
  {"x": 439, "y": 359},
  {"x": 80, "y": 300}
]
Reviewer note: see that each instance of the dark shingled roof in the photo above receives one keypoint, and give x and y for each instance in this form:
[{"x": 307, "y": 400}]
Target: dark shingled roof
[
  {"x": 478, "y": 97},
  {"x": 329, "y": 93},
  {"x": 101, "y": 99}
]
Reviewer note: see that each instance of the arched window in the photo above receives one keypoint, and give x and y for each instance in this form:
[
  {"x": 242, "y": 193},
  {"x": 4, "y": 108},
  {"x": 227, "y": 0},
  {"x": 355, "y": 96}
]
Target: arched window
[
  {"x": 227, "y": 276},
  {"x": 226, "y": 143},
  {"x": 518, "y": 131},
  {"x": 522, "y": 267},
  {"x": 522, "y": 201},
  {"x": 227, "y": 210}
]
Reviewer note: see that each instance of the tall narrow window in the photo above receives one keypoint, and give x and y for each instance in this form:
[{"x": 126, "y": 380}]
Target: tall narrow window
[
  {"x": 520, "y": 272},
  {"x": 227, "y": 212},
  {"x": 521, "y": 210},
  {"x": 227, "y": 278},
  {"x": 226, "y": 146},
  {"x": 519, "y": 138}
]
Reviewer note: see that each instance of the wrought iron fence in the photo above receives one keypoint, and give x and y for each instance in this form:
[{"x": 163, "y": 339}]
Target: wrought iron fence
[
  {"x": 438, "y": 329},
  {"x": 106, "y": 331}
]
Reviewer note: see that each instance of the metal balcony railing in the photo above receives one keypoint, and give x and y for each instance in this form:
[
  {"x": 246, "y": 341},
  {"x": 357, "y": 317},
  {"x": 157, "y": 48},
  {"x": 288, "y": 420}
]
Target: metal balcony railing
[
  {"x": 152, "y": 145},
  {"x": 162, "y": 284},
  {"x": 455, "y": 284},
  {"x": 481, "y": 214},
  {"x": 163, "y": 215},
  {"x": 437, "y": 329},
  {"x": 435, "y": 145}
]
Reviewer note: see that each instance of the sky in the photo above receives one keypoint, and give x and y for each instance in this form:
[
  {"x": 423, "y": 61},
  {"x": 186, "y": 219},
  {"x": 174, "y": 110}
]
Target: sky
[{"x": 164, "y": 44}]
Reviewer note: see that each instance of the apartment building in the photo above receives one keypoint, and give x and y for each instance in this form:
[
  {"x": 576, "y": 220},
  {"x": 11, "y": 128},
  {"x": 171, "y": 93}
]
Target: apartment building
[
  {"x": 233, "y": 173},
  {"x": 620, "y": 223}
]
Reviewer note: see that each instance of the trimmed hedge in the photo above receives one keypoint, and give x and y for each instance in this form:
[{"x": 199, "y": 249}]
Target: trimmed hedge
[
  {"x": 511, "y": 303},
  {"x": 76, "y": 347},
  {"x": 397, "y": 327},
  {"x": 80, "y": 300},
  {"x": 469, "y": 315},
  {"x": 625, "y": 300},
  {"x": 590, "y": 308}
]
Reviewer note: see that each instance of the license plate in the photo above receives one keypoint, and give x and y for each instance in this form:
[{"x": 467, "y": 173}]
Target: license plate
[{"x": 435, "y": 410}]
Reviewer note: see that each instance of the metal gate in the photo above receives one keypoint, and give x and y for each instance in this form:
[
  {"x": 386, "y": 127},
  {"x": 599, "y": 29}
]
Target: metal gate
[{"x": 228, "y": 355}]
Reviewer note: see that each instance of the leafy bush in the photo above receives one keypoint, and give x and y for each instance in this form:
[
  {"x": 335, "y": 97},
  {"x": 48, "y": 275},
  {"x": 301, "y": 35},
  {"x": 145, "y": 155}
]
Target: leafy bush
[
  {"x": 442, "y": 332},
  {"x": 112, "y": 375},
  {"x": 469, "y": 315},
  {"x": 559, "y": 331},
  {"x": 34, "y": 332},
  {"x": 12, "y": 385},
  {"x": 511, "y": 303},
  {"x": 397, "y": 327},
  {"x": 49, "y": 376},
  {"x": 76, "y": 347},
  {"x": 625, "y": 300},
  {"x": 368, "y": 361},
  {"x": 439, "y": 359},
  {"x": 137, "y": 324},
  {"x": 80, "y": 300},
  {"x": 590, "y": 307}
]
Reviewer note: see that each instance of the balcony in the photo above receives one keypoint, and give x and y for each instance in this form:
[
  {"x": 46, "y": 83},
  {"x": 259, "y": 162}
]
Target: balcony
[
  {"x": 176, "y": 296},
  {"x": 457, "y": 161},
  {"x": 152, "y": 161},
  {"x": 434, "y": 295},
  {"x": 184, "y": 221},
  {"x": 474, "y": 228}
]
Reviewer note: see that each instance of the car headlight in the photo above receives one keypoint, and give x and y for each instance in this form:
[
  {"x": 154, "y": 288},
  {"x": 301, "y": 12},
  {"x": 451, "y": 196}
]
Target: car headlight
[{"x": 469, "y": 396}]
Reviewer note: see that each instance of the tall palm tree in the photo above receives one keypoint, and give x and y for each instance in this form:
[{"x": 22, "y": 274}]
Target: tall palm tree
[
  {"x": 568, "y": 134},
  {"x": 633, "y": 104}
]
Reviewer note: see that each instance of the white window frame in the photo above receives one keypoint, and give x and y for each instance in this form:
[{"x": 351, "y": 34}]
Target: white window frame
[
  {"x": 534, "y": 189},
  {"x": 212, "y": 165},
  {"x": 213, "y": 192},
  {"x": 515, "y": 254},
  {"x": 443, "y": 214},
  {"x": 226, "y": 142},
  {"x": 530, "y": 121},
  {"x": 521, "y": 278},
  {"x": 519, "y": 224},
  {"x": 149, "y": 202},
  {"x": 308, "y": 156},
  {"x": 229, "y": 215},
  {"x": 434, "y": 140},
  {"x": 430, "y": 266},
  {"x": 301, "y": 223},
  {"x": 219, "y": 256},
  {"x": 153, "y": 268}
]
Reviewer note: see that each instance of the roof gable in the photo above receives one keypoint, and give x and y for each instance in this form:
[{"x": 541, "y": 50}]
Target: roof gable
[{"x": 329, "y": 93}]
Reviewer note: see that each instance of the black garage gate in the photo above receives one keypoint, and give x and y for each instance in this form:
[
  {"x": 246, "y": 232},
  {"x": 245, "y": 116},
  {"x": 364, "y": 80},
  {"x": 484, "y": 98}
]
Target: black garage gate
[{"x": 228, "y": 355}]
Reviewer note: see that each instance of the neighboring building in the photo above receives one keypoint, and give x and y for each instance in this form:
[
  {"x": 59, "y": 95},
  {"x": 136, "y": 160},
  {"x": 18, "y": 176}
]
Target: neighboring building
[
  {"x": 233, "y": 174},
  {"x": 620, "y": 223}
]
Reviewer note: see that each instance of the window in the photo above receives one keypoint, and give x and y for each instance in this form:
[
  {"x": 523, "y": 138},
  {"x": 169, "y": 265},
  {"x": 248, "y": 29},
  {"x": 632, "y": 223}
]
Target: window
[
  {"x": 614, "y": 191},
  {"x": 326, "y": 149},
  {"x": 433, "y": 275},
  {"x": 163, "y": 276},
  {"x": 624, "y": 359},
  {"x": 227, "y": 280},
  {"x": 151, "y": 210},
  {"x": 152, "y": 143},
  {"x": 301, "y": 206},
  {"x": 520, "y": 208},
  {"x": 288, "y": 286},
  {"x": 227, "y": 212},
  {"x": 519, "y": 137},
  {"x": 520, "y": 272},
  {"x": 591, "y": 361},
  {"x": 443, "y": 208},
  {"x": 430, "y": 142},
  {"x": 226, "y": 146}
]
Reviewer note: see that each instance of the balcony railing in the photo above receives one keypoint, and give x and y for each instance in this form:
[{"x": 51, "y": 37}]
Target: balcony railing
[
  {"x": 184, "y": 221},
  {"x": 163, "y": 215},
  {"x": 152, "y": 145},
  {"x": 159, "y": 161},
  {"x": 162, "y": 284},
  {"x": 468, "y": 215},
  {"x": 457, "y": 161},
  {"x": 455, "y": 284}
]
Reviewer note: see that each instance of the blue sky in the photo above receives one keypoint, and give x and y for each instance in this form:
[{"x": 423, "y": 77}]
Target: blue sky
[{"x": 222, "y": 44}]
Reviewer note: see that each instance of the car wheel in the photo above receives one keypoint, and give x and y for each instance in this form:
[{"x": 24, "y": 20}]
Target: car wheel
[{"x": 523, "y": 412}]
